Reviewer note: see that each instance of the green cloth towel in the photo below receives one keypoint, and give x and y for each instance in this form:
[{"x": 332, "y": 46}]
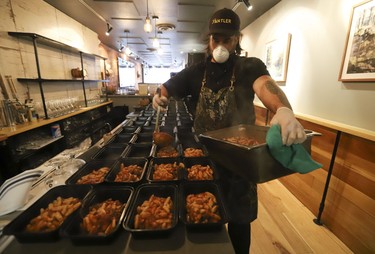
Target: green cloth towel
[{"x": 294, "y": 157}]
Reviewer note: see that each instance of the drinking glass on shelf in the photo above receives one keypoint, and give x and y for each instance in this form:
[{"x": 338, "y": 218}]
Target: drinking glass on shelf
[
  {"x": 51, "y": 110},
  {"x": 39, "y": 109}
]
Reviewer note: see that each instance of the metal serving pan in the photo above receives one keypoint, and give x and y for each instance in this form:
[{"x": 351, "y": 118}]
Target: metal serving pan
[{"x": 255, "y": 163}]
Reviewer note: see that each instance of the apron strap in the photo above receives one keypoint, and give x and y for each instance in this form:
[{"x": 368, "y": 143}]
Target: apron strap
[{"x": 232, "y": 80}]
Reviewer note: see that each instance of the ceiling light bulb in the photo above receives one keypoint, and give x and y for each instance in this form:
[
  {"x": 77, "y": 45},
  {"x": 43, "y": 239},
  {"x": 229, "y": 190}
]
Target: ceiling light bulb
[
  {"x": 127, "y": 51},
  {"x": 147, "y": 26},
  {"x": 109, "y": 29},
  {"x": 248, "y": 5},
  {"x": 156, "y": 43}
]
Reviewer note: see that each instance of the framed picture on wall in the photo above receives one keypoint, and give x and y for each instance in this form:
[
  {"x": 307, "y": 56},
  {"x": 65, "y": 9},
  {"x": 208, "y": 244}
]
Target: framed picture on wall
[
  {"x": 277, "y": 57},
  {"x": 358, "y": 62}
]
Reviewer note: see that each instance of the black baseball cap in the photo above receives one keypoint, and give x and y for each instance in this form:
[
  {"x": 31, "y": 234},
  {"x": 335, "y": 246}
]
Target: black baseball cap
[{"x": 224, "y": 21}]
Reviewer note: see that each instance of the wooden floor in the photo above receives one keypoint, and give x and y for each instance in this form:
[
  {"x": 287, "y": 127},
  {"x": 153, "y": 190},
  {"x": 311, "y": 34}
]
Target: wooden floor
[{"x": 284, "y": 226}]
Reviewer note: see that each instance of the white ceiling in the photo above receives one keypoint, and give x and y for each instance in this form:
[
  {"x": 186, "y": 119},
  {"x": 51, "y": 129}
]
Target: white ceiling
[{"x": 190, "y": 18}]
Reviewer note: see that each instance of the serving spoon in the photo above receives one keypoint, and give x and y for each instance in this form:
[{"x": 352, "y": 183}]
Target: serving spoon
[{"x": 161, "y": 139}]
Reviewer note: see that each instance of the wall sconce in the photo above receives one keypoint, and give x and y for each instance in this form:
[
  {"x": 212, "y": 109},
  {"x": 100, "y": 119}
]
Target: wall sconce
[
  {"x": 147, "y": 26},
  {"x": 109, "y": 29}
]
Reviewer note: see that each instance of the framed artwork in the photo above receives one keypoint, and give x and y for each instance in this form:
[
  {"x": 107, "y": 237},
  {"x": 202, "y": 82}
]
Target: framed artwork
[
  {"x": 277, "y": 57},
  {"x": 358, "y": 63}
]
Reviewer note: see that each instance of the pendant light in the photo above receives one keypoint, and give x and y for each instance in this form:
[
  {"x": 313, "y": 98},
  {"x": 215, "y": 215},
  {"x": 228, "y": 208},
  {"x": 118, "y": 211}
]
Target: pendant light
[
  {"x": 127, "y": 49},
  {"x": 147, "y": 26},
  {"x": 155, "y": 41}
]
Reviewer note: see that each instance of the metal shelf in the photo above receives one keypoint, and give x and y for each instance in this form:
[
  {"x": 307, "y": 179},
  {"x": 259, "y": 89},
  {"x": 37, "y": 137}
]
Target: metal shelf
[
  {"x": 60, "y": 80},
  {"x": 52, "y": 43},
  {"x": 36, "y": 39}
]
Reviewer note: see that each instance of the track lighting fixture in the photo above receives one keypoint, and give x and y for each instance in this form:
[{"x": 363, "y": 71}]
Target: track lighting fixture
[
  {"x": 147, "y": 26},
  {"x": 109, "y": 29},
  {"x": 245, "y": 2},
  {"x": 248, "y": 5}
]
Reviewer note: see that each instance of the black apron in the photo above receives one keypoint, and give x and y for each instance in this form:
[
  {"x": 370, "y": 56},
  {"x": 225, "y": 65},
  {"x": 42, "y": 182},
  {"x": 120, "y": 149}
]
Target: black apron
[{"x": 216, "y": 110}]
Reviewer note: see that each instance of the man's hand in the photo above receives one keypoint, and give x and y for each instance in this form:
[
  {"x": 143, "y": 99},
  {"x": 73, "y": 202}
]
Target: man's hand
[
  {"x": 292, "y": 132},
  {"x": 160, "y": 100}
]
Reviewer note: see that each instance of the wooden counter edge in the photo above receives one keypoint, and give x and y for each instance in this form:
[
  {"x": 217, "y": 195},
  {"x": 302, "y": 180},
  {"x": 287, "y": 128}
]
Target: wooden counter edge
[
  {"x": 18, "y": 129},
  {"x": 355, "y": 131}
]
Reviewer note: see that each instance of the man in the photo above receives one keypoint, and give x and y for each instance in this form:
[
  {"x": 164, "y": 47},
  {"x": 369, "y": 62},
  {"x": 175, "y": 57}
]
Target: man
[{"x": 222, "y": 91}]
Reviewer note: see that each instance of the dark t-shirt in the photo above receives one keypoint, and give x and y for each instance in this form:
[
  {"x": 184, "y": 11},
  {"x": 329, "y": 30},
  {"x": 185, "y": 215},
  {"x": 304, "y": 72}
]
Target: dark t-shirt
[
  {"x": 239, "y": 194},
  {"x": 188, "y": 82}
]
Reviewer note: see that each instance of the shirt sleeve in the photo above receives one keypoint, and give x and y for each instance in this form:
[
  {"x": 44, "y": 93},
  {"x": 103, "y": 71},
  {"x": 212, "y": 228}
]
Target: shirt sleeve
[
  {"x": 255, "y": 66},
  {"x": 186, "y": 82}
]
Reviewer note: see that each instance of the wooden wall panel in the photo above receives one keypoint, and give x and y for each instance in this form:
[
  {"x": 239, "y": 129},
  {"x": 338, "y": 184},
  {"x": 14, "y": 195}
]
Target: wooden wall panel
[{"x": 349, "y": 210}]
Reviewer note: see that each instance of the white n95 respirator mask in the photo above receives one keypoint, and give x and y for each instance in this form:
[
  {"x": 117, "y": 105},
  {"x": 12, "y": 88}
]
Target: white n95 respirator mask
[{"x": 220, "y": 54}]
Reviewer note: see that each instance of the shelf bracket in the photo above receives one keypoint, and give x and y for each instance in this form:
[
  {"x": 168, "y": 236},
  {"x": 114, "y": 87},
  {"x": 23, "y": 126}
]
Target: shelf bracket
[
  {"x": 83, "y": 79},
  {"x": 39, "y": 77}
]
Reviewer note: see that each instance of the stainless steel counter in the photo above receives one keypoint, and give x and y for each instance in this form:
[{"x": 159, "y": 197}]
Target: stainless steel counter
[
  {"x": 180, "y": 241},
  {"x": 132, "y": 101}
]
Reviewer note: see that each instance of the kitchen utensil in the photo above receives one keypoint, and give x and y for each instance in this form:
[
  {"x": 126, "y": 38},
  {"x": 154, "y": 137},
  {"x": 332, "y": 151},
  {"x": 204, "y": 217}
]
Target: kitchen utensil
[
  {"x": 12, "y": 86},
  {"x": 161, "y": 139},
  {"x": 4, "y": 90},
  {"x": 254, "y": 163}
]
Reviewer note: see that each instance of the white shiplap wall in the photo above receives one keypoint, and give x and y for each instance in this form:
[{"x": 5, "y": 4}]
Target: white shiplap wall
[
  {"x": 319, "y": 29},
  {"x": 17, "y": 56}
]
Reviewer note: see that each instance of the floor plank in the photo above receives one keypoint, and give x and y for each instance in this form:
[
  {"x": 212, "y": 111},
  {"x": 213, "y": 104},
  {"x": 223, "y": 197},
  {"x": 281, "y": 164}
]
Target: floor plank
[{"x": 285, "y": 225}]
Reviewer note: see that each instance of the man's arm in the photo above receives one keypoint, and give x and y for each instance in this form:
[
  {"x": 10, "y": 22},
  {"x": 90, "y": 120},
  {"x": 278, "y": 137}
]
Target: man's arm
[
  {"x": 270, "y": 93},
  {"x": 161, "y": 100},
  {"x": 292, "y": 132}
]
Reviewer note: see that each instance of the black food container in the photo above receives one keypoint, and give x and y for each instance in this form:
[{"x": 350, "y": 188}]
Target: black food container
[
  {"x": 123, "y": 138},
  {"x": 203, "y": 161},
  {"x": 139, "y": 150},
  {"x": 130, "y": 130},
  {"x": 187, "y": 145},
  {"x": 144, "y": 137},
  {"x": 157, "y": 161},
  {"x": 254, "y": 163},
  {"x": 143, "y": 193},
  {"x": 17, "y": 226},
  {"x": 111, "y": 152},
  {"x": 145, "y": 129},
  {"x": 99, "y": 194},
  {"x": 184, "y": 129},
  {"x": 187, "y": 138},
  {"x": 139, "y": 161},
  {"x": 197, "y": 188},
  {"x": 88, "y": 168},
  {"x": 166, "y": 152}
]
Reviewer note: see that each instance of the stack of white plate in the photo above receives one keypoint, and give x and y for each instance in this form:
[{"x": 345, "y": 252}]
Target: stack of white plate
[{"x": 13, "y": 192}]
